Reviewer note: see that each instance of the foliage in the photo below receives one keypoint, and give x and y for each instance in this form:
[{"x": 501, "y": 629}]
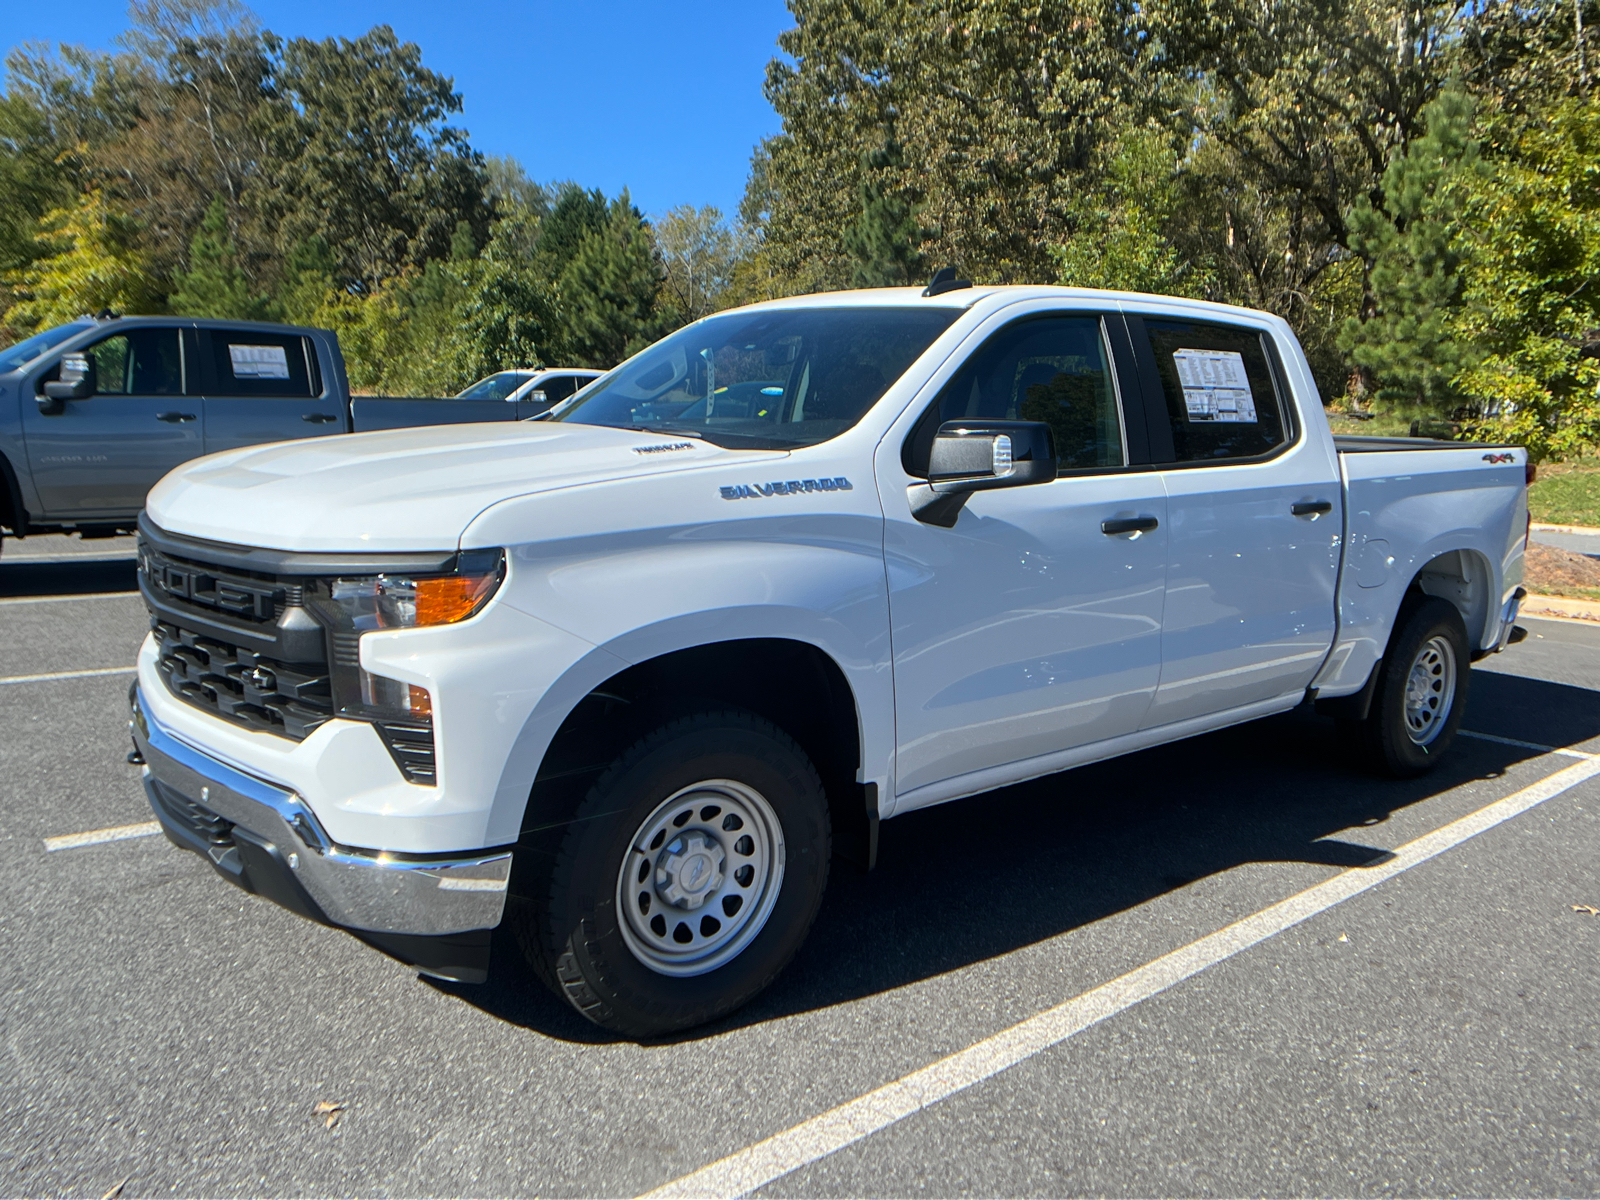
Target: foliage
[
  {"x": 608, "y": 290},
  {"x": 214, "y": 285},
  {"x": 1533, "y": 297},
  {"x": 1567, "y": 495},
  {"x": 88, "y": 262},
  {"x": 1121, "y": 237},
  {"x": 698, "y": 255},
  {"x": 1407, "y": 339}
]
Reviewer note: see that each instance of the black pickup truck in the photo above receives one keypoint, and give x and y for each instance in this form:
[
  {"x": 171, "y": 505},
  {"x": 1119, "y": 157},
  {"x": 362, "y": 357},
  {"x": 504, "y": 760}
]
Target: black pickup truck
[{"x": 94, "y": 412}]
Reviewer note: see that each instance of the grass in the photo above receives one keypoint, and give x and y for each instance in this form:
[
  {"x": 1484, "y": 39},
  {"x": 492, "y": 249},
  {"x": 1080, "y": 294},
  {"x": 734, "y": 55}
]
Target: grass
[{"x": 1567, "y": 494}]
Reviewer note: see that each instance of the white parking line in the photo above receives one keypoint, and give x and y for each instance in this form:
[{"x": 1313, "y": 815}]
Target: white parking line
[
  {"x": 9, "y": 679},
  {"x": 68, "y": 841},
  {"x": 1505, "y": 741},
  {"x": 809, "y": 1141},
  {"x": 65, "y": 599}
]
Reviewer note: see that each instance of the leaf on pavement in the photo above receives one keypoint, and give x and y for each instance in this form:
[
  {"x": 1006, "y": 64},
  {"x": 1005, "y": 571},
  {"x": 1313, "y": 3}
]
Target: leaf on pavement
[
  {"x": 1586, "y": 908},
  {"x": 117, "y": 1190},
  {"x": 329, "y": 1110}
]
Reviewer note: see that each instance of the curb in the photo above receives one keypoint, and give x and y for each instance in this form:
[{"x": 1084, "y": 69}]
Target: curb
[
  {"x": 1560, "y": 608},
  {"x": 1581, "y": 530}
]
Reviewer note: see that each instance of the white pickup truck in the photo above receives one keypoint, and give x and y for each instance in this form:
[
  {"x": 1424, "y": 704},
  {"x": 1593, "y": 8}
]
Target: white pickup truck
[{"x": 631, "y": 675}]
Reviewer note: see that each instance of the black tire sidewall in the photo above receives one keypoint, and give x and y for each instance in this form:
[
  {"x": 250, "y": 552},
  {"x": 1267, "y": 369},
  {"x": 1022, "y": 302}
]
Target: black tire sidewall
[
  {"x": 1389, "y": 739},
  {"x": 582, "y": 918}
]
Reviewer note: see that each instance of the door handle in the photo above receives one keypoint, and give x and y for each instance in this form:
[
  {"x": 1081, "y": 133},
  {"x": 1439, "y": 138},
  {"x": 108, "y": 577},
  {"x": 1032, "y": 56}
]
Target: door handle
[
  {"x": 172, "y": 418},
  {"x": 318, "y": 418},
  {"x": 1128, "y": 525},
  {"x": 1311, "y": 508}
]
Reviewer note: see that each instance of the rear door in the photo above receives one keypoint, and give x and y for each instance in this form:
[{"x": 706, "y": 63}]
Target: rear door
[
  {"x": 1254, "y": 518},
  {"x": 263, "y": 386},
  {"x": 99, "y": 456}
]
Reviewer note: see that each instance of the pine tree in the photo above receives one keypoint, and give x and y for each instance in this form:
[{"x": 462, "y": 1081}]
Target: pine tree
[
  {"x": 215, "y": 285},
  {"x": 1408, "y": 340},
  {"x": 883, "y": 241},
  {"x": 608, "y": 291}
]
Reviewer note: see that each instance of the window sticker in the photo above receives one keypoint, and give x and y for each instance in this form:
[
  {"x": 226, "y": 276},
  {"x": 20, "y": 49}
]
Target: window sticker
[
  {"x": 264, "y": 362},
  {"x": 1215, "y": 387}
]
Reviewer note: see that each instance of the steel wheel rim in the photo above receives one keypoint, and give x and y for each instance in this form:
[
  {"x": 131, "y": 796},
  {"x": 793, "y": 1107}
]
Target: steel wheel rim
[
  {"x": 700, "y": 878},
  {"x": 1430, "y": 690}
]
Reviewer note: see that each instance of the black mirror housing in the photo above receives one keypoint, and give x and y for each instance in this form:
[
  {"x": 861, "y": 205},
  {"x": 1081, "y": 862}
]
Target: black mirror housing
[{"x": 979, "y": 456}]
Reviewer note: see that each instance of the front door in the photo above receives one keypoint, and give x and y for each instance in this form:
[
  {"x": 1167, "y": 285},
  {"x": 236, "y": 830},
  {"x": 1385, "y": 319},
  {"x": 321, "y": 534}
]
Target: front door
[
  {"x": 1255, "y": 520},
  {"x": 1031, "y": 626},
  {"x": 263, "y": 387},
  {"x": 99, "y": 456}
]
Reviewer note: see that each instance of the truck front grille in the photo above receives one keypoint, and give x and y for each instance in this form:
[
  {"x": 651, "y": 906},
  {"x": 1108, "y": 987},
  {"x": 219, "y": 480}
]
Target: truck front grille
[{"x": 242, "y": 686}]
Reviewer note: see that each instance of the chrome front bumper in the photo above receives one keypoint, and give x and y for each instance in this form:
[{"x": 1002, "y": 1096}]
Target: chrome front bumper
[{"x": 266, "y": 839}]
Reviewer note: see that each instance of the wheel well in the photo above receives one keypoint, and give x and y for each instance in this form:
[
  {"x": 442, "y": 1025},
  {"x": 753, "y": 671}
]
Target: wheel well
[
  {"x": 796, "y": 686},
  {"x": 1463, "y": 578}
]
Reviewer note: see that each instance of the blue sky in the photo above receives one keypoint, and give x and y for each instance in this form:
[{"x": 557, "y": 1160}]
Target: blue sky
[{"x": 664, "y": 98}]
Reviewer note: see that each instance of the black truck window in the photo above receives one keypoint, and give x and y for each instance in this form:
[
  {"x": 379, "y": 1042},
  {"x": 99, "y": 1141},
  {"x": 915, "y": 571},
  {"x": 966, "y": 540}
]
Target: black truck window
[
  {"x": 254, "y": 363},
  {"x": 140, "y": 362}
]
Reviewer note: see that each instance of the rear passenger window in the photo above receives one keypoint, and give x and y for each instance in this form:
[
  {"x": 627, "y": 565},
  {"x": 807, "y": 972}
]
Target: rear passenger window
[
  {"x": 1221, "y": 396},
  {"x": 1050, "y": 369},
  {"x": 248, "y": 363}
]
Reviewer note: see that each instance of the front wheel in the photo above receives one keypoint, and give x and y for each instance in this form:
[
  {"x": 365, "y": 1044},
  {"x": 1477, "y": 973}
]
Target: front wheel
[
  {"x": 1421, "y": 694},
  {"x": 688, "y": 877}
]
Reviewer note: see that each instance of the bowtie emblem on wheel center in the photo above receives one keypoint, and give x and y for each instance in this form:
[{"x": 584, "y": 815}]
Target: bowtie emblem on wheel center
[{"x": 689, "y": 870}]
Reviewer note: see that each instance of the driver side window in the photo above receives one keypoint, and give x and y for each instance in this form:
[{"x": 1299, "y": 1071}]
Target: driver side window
[
  {"x": 1053, "y": 369},
  {"x": 141, "y": 362}
]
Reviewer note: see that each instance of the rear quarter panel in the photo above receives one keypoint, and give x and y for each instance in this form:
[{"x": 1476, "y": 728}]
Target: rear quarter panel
[{"x": 1406, "y": 508}]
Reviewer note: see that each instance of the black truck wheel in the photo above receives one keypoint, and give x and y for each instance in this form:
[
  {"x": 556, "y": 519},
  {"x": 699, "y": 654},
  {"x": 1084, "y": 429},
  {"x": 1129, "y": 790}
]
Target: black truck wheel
[
  {"x": 1421, "y": 693},
  {"x": 687, "y": 879}
]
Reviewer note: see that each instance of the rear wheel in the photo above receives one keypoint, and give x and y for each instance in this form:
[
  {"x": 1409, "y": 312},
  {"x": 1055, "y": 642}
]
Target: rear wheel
[
  {"x": 687, "y": 879},
  {"x": 1421, "y": 694}
]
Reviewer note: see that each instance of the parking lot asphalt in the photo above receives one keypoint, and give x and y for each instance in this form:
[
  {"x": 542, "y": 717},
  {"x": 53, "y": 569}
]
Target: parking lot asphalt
[{"x": 1436, "y": 1033}]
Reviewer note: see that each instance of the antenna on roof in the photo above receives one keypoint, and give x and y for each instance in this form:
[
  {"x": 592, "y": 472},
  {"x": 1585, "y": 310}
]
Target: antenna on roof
[{"x": 944, "y": 280}]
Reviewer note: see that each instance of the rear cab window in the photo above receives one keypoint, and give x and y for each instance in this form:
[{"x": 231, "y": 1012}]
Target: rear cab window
[
  {"x": 256, "y": 363},
  {"x": 1220, "y": 396}
]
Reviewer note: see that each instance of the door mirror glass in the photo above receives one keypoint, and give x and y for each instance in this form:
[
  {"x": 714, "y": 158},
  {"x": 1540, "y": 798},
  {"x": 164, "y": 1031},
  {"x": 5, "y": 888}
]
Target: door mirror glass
[
  {"x": 537, "y": 397},
  {"x": 76, "y": 380}
]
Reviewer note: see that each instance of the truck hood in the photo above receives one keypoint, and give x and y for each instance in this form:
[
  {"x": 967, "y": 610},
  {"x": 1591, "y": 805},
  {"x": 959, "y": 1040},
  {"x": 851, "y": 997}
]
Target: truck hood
[{"x": 404, "y": 489}]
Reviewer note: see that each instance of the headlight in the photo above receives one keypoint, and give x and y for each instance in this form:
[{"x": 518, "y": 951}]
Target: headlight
[{"x": 370, "y": 603}]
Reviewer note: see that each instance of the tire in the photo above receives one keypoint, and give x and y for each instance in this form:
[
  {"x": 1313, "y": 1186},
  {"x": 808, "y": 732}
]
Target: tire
[
  {"x": 687, "y": 879},
  {"x": 1421, "y": 694}
]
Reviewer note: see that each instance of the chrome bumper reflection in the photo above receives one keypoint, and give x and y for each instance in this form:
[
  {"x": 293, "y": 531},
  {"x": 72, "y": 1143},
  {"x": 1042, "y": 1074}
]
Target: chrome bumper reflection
[{"x": 358, "y": 889}]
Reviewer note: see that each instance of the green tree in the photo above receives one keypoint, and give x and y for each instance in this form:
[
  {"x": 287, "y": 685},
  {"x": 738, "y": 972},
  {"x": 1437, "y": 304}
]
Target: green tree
[
  {"x": 1121, "y": 238},
  {"x": 997, "y": 110},
  {"x": 88, "y": 262},
  {"x": 608, "y": 291},
  {"x": 1408, "y": 339},
  {"x": 883, "y": 242},
  {"x": 1532, "y": 302},
  {"x": 360, "y": 155},
  {"x": 214, "y": 285},
  {"x": 698, "y": 254}
]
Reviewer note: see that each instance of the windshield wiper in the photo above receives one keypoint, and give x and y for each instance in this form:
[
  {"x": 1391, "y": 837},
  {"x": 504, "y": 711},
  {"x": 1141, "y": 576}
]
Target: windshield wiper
[{"x": 674, "y": 430}]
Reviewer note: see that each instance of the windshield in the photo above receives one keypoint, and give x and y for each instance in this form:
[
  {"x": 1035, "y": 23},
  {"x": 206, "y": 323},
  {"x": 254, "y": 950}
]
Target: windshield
[
  {"x": 26, "y": 351},
  {"x": 496, "y": 387},
  {"x": 768, "y": 379}
]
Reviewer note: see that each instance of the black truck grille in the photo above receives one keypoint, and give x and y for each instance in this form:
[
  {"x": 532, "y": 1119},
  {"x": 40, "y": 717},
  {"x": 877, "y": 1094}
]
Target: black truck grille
[
  {"x": 243, "y": 646},
  {"x": 240, "y": 685}
]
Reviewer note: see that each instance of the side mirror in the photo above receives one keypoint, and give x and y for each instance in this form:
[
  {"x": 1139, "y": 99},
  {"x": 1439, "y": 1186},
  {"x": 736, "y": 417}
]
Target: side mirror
[
  {"x": 537, "y": 396},
  {"x": 978, "y": 456},
  {"x": 76, "y": 381}
]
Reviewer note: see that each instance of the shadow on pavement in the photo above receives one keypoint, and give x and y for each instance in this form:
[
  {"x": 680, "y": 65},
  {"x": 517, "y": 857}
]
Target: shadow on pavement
[
  {"x": 969, "y": 881},
  {"x": 93, "y": 576}
]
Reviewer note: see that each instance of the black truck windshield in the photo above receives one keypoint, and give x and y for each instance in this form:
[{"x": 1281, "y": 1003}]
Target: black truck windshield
[
  {"x": 26, "y": 351},
  {"x": 773, "y": 379}
]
